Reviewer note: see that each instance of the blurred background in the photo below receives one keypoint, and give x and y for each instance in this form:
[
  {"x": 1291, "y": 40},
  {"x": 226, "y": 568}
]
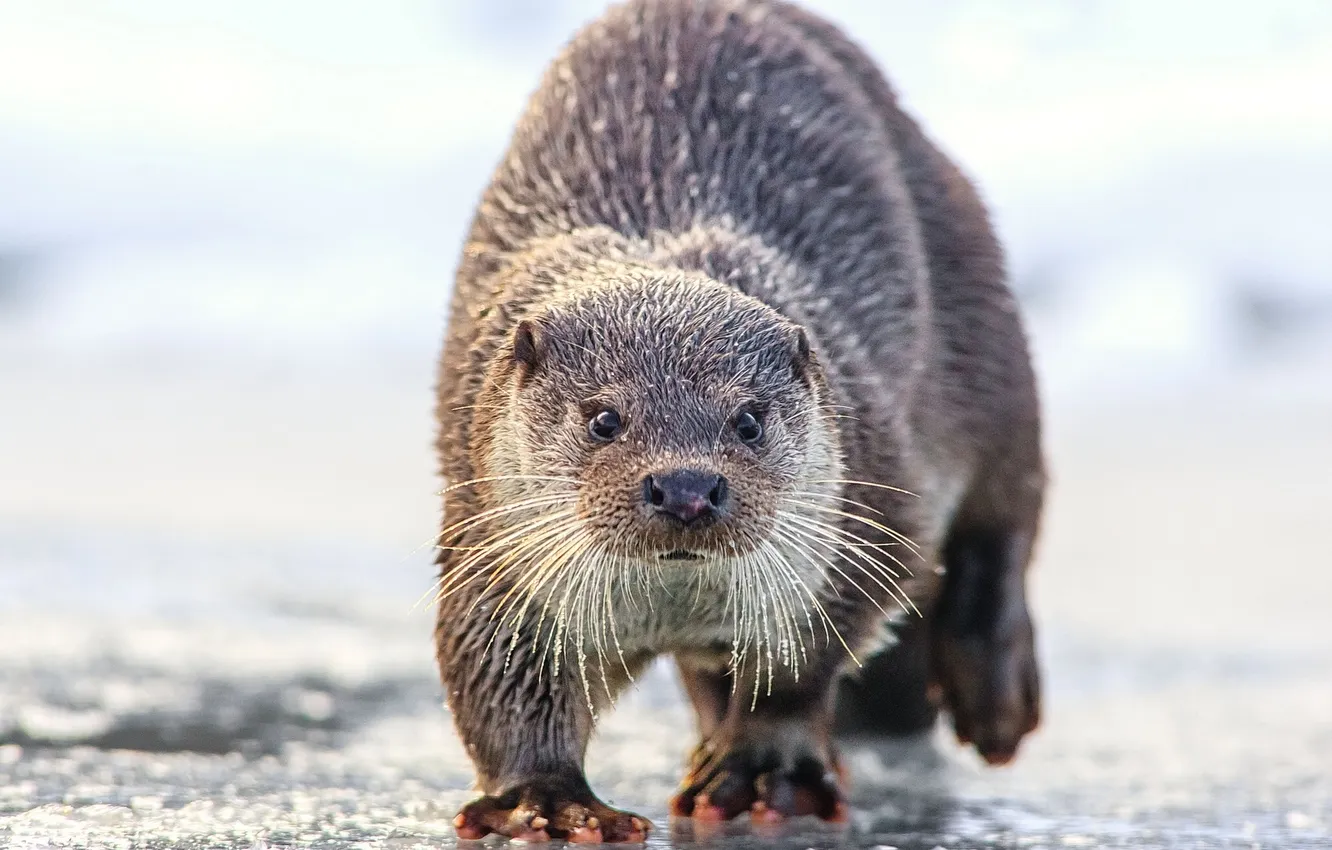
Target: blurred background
[{"x": 227, "y": 236}]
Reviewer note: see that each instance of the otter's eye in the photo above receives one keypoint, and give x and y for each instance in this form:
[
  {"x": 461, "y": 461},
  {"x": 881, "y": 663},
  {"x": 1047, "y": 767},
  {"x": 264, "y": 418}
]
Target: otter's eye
[
  {"x": 605, "y": 426},
  {"x": 748, "y": 427}
]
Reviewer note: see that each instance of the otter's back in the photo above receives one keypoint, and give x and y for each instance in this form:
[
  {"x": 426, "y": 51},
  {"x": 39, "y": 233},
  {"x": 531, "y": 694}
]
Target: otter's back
[
  {"x": 984, "y": 392},
  {"x": 755, "y": 118},
  {"x": 667, "y": 114}
]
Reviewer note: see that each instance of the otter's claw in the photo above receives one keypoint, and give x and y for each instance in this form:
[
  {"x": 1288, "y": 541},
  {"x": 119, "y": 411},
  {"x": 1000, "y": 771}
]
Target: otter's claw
[
  {"x": 542, "y": 811},
  {"x": 758, "y": 783}
]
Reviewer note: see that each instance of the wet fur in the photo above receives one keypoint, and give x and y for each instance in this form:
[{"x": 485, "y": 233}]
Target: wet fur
[{"x": 674, "y": 146}]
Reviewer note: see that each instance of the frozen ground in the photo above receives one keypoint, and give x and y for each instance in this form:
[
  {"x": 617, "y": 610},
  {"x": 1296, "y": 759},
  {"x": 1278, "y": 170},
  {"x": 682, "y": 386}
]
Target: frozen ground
[{"x": 249, "y": 678}]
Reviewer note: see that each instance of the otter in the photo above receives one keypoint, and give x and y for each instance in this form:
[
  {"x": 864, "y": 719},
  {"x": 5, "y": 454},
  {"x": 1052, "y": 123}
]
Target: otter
[{"x": 732, "y": 374}]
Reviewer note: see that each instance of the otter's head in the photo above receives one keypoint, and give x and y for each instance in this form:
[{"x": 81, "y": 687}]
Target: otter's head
[{"x": 678, "y": 418}]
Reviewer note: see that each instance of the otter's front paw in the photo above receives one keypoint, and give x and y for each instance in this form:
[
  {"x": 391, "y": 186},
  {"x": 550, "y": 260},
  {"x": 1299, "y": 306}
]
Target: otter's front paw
[
  {"x": 769, "y": 784},
  {"x": 991, "y": 686},
  {"x": 543, "y": 809}
]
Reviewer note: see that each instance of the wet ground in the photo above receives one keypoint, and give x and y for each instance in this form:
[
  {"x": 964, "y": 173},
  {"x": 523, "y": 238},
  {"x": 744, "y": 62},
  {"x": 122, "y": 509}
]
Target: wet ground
[{"x": 251, "y": 672}]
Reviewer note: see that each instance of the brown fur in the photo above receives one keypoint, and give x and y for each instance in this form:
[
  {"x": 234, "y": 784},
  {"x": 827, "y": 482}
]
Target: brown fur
[{"x": 697, "y": 192}]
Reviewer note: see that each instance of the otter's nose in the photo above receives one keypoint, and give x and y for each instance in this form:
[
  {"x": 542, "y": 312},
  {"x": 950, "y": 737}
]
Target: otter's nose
[{"x": 685, "y": 494}]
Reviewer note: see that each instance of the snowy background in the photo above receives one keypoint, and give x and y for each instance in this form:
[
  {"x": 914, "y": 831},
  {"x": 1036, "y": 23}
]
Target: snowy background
[
  {"x": 227, "y": 235},
  {"x": 212, "y": 181}
]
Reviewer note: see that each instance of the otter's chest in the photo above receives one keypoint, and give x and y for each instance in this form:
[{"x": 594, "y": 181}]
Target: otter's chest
[
  {"x": 649, "y": 610},
  {"x": 672, "y": 608}
]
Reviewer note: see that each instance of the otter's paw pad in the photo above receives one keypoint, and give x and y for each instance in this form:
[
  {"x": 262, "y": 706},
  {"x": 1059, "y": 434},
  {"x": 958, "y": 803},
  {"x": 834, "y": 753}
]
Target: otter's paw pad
[
  {"x": 992, "y": 689},
  {"x": 544, "y": 811},
  {"x": 740, "y": 782}
]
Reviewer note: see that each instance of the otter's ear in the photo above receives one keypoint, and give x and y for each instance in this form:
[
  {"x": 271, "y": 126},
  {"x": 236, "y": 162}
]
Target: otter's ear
[
  {"x": 800, "y": 353},
  {"x": 527, "y": 344}
]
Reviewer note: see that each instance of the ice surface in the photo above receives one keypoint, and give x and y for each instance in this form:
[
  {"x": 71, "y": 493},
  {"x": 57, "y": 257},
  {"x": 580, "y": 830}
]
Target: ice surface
[{"x": 221, "y": 685}]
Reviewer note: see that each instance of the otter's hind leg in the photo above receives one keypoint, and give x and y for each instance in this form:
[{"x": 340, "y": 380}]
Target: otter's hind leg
[
  {"x": 983, "y": 641},
  {"x": 973, "y": 653}
]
